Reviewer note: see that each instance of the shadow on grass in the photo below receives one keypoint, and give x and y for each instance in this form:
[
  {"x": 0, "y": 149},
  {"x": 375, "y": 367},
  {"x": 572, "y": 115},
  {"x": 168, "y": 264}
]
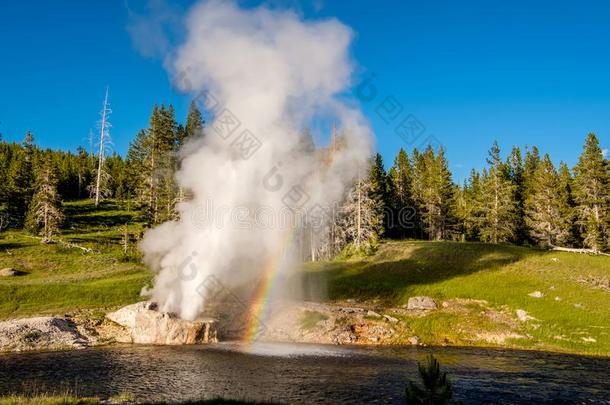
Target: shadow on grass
[{"x": 387, "y": 274}]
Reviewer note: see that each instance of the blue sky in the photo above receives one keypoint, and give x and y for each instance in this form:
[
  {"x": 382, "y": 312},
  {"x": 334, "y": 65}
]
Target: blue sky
[{"x": 520, "y": 72}]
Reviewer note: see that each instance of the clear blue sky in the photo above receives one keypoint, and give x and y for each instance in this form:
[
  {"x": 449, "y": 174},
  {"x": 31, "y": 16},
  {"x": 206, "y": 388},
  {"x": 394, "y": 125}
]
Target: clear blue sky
[{"x": 521, "y": 72}]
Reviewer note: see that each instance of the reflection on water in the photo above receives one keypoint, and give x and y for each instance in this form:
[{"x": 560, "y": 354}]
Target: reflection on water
[{"x": 307, "y": 373}]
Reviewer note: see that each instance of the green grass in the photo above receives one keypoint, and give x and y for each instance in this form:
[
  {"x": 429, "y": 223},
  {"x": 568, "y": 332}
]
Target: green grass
[
  {"x": 58, "y": 279},
  {"x": 502, "y": 275},
  {"x": 309, "y": 319}
]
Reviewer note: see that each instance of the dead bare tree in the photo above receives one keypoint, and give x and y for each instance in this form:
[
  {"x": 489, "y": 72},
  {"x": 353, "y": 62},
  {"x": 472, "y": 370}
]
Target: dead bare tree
[{"x": 99, "y": 189}]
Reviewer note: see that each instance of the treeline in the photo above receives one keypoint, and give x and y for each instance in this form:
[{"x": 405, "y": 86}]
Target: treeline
[
  {"x": 144, "y": 179},
  {"x": 522, "y": 199}
]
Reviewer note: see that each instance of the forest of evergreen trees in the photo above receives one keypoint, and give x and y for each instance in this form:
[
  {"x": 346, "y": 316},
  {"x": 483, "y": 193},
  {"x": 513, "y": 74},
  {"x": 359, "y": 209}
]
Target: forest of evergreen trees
[{"x": 522, "y": 198}]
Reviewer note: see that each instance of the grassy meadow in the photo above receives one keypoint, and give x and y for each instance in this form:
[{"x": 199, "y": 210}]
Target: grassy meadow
[
  {"x": 484, "y": 284},
  {"x": 58, "y": 278},
  {"x": 490, "y": 282}
]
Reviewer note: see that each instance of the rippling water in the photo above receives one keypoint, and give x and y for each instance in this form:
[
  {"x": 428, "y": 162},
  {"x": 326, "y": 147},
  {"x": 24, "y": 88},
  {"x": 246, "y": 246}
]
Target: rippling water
[{"x": 307, "y": 373}]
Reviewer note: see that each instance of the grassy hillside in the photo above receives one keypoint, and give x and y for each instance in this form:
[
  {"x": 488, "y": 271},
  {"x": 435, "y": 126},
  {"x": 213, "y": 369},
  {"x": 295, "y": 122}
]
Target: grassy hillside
[
  {"x": 483, "y": 285},
  {"x": 58, "y": 278}
]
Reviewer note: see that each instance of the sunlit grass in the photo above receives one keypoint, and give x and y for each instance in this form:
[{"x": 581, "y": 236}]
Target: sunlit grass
[
  {"x": 58, "y": 279},
  {"x": 578, "y": 320}
]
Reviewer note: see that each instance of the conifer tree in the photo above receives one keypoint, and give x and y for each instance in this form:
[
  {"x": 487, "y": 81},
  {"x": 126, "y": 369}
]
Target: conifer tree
[
  {"x": 516, "y": 173},
  {"x": 194, "y": 123},
  {"x": 544, "y": 214},
  {"x": 592, "y": 195},
  {"x": 498, "y": 208},
  {"x": 468, "y": 207},
  {"x": 379, "y": 192},
  {"x": 567, "y": 204},
  {"x": 21, "y": 181},
  {"x": 45, "y": 213},
  {"x": 360, "y": 221},
  {"x": 401, "y": 176},
  {"x": 433, "y": 192}
]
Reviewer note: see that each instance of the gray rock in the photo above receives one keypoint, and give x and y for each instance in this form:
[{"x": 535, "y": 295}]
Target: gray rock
[
  {"x": 8, "y": 272},
  {"x": 148, "y": 326},
  {"x": 40, "y": 333},
  {"x": 523, "y": 316},
  {"x": 350, "y": 310},
  {"x": 421, "y": 303},
  {"x": 536, "y": 294},
  {"x": 414, "y": 340},
  {"x": 373, "y": 314},
  {"x": 390, "y": 319}
]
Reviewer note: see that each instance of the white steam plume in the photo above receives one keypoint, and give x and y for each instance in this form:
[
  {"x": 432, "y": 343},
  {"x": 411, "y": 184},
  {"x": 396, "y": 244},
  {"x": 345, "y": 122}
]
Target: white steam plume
[{"x": 275, "y": 73}]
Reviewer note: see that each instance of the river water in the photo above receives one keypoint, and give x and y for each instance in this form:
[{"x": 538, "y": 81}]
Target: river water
[{"x": 307, "y": 373}]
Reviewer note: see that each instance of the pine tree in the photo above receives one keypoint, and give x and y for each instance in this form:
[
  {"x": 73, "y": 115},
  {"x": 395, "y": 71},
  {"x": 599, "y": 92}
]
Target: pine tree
[
  {"x": 99, "y": 187},
  {"x": 532, "y": 161},
  {"x": 433, "y": 192},
  {"x": 45, "y": 213},
  {"x": 469, "y": 207},
  {"x": 516, "y": 173},
  {"x": 498, "y": 208},
  {"x": 401, "y": 177},
  {"x": 436, "y": 388},
  {"x": 21, "y": 181},
  {"x": 360, "y": 221},
  {"x": 568, "y": 206},
  {"x": 194, "y": 123},
  {"x": 379, "y": 192},
  {"x": 592, "y": 195},
  {"x": 545, "y": 211}
]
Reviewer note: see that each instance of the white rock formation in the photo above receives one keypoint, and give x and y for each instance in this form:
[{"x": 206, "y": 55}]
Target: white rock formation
[{"x": 146, "y": 325}]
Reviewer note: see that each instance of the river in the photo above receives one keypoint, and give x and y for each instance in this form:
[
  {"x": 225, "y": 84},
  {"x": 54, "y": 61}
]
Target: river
[{"x": 307, "y": 373}]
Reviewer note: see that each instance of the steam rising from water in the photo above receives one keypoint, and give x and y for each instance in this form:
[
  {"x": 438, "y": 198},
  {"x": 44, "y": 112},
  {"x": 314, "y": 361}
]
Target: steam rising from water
[{"x": 275, "y": 74}]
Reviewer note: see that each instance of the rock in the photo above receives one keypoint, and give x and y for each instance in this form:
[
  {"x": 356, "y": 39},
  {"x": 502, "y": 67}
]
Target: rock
[
  {"x": 536, "y": 294},
  {"x": 40, "y": 333},
  {"x": 8, "y": 272},
  {"x": 523, "y": 316},
  {"x": 148, "y": 326},
  {"x": 344, "y": 337},
  {"x": 374, "y": 339},
  {"x": 373, "y": 314},
  {"x": 421, "y": 303},
  {"x": 589, "y": 339},
  {"x": 349, "y": 310},
  {"x": 445, "y": 304},
  {"x": 390, "y": 319},
  {"x": 579, "y": 306},
  {"x": 414, "y": 340},
  {"x": 557, "y": 298}
]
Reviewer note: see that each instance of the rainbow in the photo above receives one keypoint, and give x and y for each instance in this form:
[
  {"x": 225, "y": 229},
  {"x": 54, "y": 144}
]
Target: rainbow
[
  {"x": 266, "y": 287},
  {"x": 260, "y": 308}
]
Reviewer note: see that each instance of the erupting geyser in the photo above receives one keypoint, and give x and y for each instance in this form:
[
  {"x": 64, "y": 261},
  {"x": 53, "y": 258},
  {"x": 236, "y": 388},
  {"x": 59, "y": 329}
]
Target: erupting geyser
[{"x": 266, "y": 75}]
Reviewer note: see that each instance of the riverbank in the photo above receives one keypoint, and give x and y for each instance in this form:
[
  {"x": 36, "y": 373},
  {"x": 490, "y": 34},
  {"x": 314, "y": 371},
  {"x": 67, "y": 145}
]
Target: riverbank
[
  {"x": 303, "y": 373},
  {"x": 485, "y": 295}
]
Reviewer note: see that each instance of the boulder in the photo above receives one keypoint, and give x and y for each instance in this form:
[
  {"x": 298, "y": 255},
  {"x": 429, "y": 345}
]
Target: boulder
[
  {"x": 146, "y": 325},
  {"x": 40, "y": 333},
  {"x": 413, "y": 340},
  {"x": 8, "y": 272},
  {"x": 390, "y": 319},
  {"x": 523, "y": 316},
  {"x": 421, "y": 303},
  {"x": 536, "y": 294},
  {"x": 373, "y": 314}
]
